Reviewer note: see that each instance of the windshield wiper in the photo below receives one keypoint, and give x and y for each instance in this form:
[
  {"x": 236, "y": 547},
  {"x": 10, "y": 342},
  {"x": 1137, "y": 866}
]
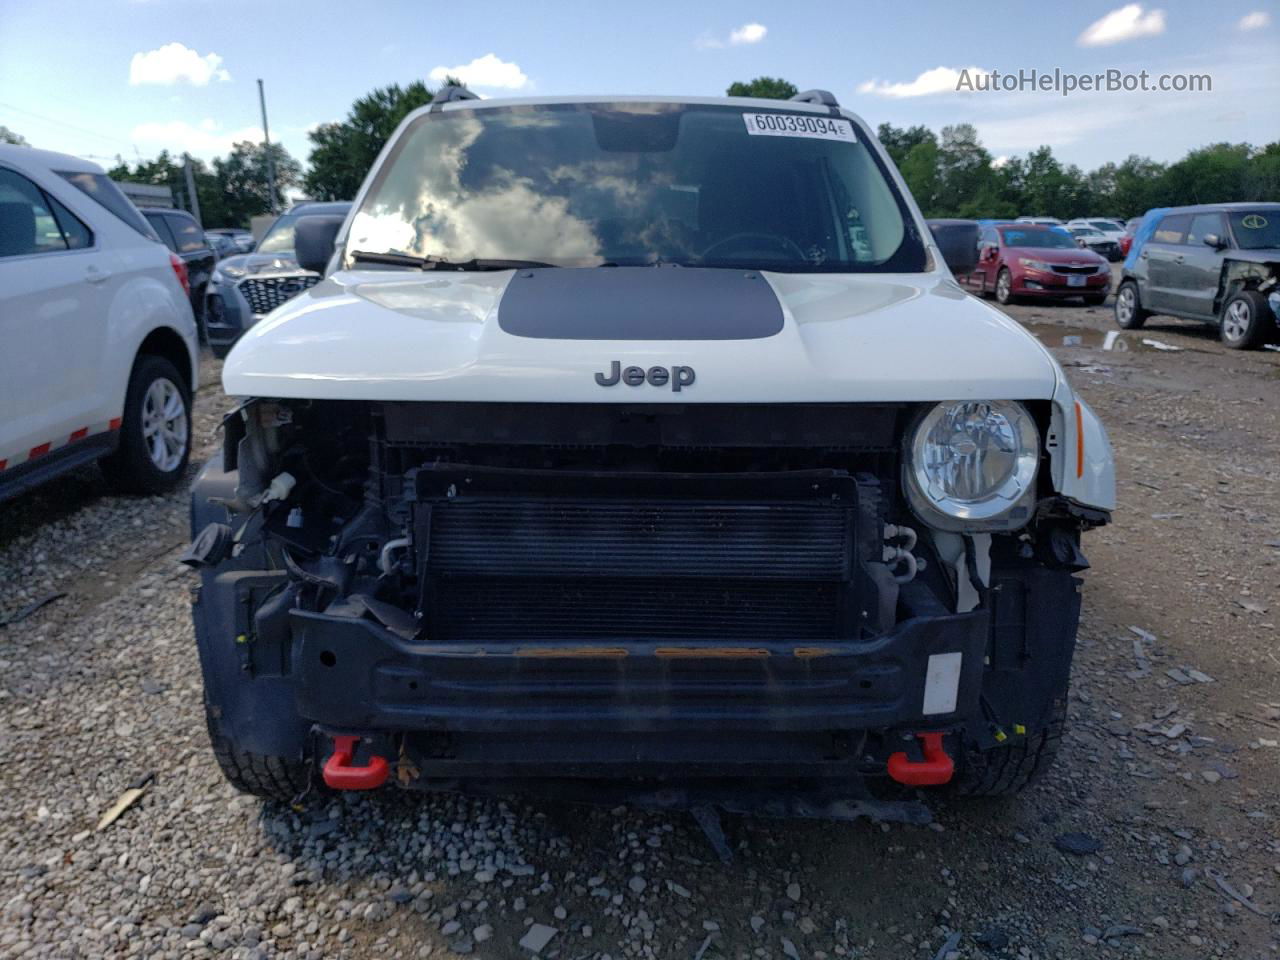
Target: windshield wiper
[{"x": 434, "y": 262}]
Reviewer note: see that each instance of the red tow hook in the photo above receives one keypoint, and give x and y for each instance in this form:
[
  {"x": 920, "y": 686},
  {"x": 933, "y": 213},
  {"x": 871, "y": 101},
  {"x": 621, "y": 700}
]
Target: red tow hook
[
  {"x": 936, "y": 767},
  {"x": 341, "y": 775}
]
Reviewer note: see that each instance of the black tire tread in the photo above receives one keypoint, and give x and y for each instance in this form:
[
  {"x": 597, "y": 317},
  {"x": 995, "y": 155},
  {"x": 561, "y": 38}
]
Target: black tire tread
[
  {"x": 1010, "y": 768},
  {"x": 271, "y": 778}
]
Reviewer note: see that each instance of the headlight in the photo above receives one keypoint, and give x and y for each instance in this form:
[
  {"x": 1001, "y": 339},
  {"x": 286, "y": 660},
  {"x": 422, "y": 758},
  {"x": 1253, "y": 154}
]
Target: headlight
[
  {"x": 971, "y": 465},
  {"x": 228, "y": 273},
  {"x": 1035, "y": 264}
]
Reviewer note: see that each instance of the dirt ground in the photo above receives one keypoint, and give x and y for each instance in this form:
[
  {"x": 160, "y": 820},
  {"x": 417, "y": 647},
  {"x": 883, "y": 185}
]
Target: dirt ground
[{"x": 1171, "y": 761}]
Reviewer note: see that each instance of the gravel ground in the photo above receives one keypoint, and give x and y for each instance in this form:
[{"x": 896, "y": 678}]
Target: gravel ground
[{"x": 1170, "y": 767}]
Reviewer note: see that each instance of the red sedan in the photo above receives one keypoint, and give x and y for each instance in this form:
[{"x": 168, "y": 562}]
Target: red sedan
[{"x": 1028, "y": 260}]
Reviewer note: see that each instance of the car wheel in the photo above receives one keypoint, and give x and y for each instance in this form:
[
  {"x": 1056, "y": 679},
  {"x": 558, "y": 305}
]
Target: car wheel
[
  {"x": 1129, "y": 312},
  {"x": 155, "y": 431},
  {"x": 1243, "y": 319},
  {"x": 1004, "y": 286},
  {"x": 1095, "y": 299}
]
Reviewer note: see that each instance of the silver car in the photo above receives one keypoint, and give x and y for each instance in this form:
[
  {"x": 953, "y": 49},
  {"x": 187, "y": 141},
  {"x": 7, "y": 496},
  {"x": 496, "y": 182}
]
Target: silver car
[{"x": 245, "y": 288}]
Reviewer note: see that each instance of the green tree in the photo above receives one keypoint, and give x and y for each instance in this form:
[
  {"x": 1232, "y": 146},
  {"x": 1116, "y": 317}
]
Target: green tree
[
  {"x": 10, "y": 136},
  {"x": 243, "y": 180},
  {"x": 343, "y": 152},
  {"x": 919, "y": 168},
  {"x": 1264, "y": 173},
  {"x": 899, "y": 141},
  {"x": 964, "y": 168},
  {"x": 1217, "y": 173},
  {"x": 770, "y": 88}
]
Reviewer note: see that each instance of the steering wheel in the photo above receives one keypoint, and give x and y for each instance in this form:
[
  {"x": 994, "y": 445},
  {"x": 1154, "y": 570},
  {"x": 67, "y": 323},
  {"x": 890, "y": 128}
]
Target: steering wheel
[{"x": 771, "y": 239}]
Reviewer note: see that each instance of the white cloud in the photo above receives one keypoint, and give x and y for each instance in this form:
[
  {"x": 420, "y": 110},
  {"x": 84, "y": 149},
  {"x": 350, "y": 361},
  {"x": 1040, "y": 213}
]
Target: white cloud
[
  {"x": 747, "y": 33},
  {"x": 744, "y": 35},
  {"x": 1257, "y": 20},
  {"x": 937, "y": 80},
  {"x": 1127, "y": 23},
  {"x": 174, "y": 63},
  {"x": 486, "y": 71},
  {"x": 204, "y": 139}
]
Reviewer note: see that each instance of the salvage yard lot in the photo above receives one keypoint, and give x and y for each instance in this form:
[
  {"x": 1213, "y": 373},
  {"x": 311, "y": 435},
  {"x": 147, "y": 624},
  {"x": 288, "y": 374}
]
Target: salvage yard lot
[{"x": 1171, "y": 762}]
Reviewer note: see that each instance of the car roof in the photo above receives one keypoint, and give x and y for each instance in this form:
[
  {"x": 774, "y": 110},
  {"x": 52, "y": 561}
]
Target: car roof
[
  {"x": 1222, "y": 207},
  {"x": 47, "y": 159}
]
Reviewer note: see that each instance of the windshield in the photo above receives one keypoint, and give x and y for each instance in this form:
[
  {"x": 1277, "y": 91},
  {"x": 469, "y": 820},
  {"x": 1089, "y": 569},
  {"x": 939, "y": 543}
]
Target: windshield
[
  {"x": 1256, "y": 229},
  {"x": 1038, "y": 238},
  {"x": 580, "y": 185},
  {"x": 1104, "y": 225},
  {"x": 279, "y": 238}
]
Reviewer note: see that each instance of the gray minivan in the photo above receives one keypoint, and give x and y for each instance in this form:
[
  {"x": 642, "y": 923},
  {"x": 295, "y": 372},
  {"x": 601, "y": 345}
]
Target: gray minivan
[{"x": 1219, "y": 263}]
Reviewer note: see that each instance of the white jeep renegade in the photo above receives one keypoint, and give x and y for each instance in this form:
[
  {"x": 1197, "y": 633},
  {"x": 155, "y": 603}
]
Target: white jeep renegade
[{"x": 641, "y": 441}]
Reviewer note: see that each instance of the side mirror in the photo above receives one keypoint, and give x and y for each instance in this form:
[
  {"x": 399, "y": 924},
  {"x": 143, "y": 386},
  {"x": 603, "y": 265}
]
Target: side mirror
[
  {"x": 314, "y": 239},
  {"x": 1214, "y": 240},
  {"x": 958, "y": 241}
]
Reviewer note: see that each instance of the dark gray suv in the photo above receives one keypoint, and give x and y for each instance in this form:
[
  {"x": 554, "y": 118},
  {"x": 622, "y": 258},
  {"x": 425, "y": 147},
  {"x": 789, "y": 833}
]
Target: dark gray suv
[{"x": 1219, "y": 263}]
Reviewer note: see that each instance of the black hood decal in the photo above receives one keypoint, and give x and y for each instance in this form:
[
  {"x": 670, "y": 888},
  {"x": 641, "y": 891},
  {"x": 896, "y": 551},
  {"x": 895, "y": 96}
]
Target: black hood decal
[{"x": 640, "y": 303}]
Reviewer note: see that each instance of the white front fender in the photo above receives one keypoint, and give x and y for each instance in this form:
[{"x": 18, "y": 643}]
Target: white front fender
[{"x": 1084, "y": 469}]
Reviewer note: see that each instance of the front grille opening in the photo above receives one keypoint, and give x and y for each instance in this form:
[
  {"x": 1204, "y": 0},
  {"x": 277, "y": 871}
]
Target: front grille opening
[{"x": 264, "y": 294}]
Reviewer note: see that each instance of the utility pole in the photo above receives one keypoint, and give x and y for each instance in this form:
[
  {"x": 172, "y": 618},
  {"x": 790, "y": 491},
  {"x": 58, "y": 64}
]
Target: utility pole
[
  {"x": 266, "y": 145},
  {"x": 193, "y": 200}
]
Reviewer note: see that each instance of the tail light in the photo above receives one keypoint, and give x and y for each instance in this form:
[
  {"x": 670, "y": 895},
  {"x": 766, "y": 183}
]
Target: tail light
[{"x": 180, "y": 271}]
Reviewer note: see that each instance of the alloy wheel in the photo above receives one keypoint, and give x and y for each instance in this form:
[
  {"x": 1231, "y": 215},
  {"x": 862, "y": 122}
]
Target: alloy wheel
[
  {"x": 164, "y": 424},
  {"x": 1236, "y": 322}
]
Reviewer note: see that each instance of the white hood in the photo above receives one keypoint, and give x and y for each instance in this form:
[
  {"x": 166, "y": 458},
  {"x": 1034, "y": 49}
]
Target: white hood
[{"x": 382, "y": 335}]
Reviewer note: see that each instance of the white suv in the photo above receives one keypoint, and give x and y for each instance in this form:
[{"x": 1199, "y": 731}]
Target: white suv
[{"x": 100, "y": 357}]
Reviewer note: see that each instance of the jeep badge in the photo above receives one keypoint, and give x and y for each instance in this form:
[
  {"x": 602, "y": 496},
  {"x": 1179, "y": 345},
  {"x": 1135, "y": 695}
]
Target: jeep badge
[{"x": 678, "y": 377}]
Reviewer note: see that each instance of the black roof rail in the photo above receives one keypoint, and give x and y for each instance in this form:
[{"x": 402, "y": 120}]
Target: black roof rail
[
  {"x": 452, "y": 93},
  {"x": 824, "y": 97}
]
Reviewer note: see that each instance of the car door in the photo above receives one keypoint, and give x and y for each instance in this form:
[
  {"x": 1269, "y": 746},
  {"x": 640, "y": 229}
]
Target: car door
[
  {"x": 191, "y": 246},
  {"x": 52, "y": 320},
  {"x": 1161, "y": 255},
  {"x": 1195, "y": 279}
]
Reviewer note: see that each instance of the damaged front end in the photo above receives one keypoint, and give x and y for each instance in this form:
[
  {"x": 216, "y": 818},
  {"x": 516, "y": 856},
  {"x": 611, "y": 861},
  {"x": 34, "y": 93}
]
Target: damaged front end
[{"x": 469, "y": 595}]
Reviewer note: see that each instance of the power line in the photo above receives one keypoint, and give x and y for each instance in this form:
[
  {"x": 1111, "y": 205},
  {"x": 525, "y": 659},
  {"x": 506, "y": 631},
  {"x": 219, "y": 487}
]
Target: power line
[{"x": 63, "y": 123}]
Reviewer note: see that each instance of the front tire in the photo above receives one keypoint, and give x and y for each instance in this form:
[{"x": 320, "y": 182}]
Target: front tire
[
  {"x": 283, "y": 779},
  {"x": 1128, "y": 311},
  {"x": 155, "y": 430},
  {"x": 1012, "y": 767},
  {"x": 1004, "y": 287},
  {"x": 1245, "y": 317}
]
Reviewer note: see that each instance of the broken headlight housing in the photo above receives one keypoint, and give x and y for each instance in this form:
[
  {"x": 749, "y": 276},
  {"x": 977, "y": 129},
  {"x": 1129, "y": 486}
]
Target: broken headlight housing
[{"x": 970, "y": 465}]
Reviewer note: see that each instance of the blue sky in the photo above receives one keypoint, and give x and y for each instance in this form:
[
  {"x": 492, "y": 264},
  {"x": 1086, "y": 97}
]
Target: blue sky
[{"x": 132, "y": 77}]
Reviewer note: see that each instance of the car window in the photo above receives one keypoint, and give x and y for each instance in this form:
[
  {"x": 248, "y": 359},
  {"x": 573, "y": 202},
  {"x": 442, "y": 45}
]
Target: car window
[
  {"x": 1256, "y": 229},
  {"x": 99, "y": 188},
  {"x": 187, "y": 234},
  {"x": 27, "y": 224},
  {"x": 76, "y": 234},
  {"x": 1038, "y": 237},
  {"x": 1104, "y": 225},
  {"x": 578, "y": 185},
  {"x": 161, "y": 227},
  {"x": 279, "y": 237},
  {"x": 1172, "y": 229},
  {"x": 1203, "y": 224}
]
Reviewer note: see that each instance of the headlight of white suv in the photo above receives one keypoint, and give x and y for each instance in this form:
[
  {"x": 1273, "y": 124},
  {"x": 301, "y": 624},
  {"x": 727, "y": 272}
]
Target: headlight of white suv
[
  {"x": 228, "y": 273},
  {"x": 971, "y": 465}
]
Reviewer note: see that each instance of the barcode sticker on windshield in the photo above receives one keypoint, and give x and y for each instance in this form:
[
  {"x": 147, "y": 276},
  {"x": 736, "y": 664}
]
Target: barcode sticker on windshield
[{"x": 799, "y": 125}]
